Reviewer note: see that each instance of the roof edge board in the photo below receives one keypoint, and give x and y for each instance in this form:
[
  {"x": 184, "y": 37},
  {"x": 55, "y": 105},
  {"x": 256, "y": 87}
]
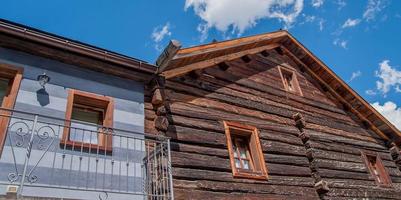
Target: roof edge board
[
  {"x": 62, "y": 43},
  {"x": 346, "y": 86}
]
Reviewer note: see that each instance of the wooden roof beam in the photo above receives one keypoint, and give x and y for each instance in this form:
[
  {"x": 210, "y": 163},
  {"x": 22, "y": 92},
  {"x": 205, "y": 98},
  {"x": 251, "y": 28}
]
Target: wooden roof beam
[
  {"x": 167, "y": 55},
  {"x": 207, "y": 63}
]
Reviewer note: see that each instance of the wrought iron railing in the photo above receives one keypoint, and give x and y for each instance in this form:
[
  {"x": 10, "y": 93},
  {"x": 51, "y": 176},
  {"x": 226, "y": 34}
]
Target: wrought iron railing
[{"x": 41, "y": 160}]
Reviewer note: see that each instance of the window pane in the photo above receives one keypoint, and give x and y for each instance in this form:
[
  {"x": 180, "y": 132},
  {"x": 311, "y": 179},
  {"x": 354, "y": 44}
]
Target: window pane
[
  {"x": 86, "y": 115},
  {"x": 243, "y": 153},
  {"x": 3, "y": 89},
  {"x": 235, "y": 150},
  {"x": 85, "y": 124},
  {"x": 246, "y": 164},
  {"x": 288, "y": 79},
  {"x": 237, "y": 163}
]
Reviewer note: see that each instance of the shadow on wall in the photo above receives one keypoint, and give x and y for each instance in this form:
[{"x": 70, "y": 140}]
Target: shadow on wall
[{"x": 42, "y": 97}]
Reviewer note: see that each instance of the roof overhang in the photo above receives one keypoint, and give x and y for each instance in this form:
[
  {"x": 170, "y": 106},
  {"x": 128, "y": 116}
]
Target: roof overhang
[{"x": 199, "y": 57}]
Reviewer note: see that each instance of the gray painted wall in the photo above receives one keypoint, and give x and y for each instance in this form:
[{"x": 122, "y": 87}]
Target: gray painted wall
[{"x": 74, "y": 168}]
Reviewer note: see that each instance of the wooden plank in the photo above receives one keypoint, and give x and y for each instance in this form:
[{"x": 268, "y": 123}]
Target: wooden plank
[
  {"x": 167, "y": 55},
  {"x": 207, "y": 63},
  {"x": 246, "y": 188}
]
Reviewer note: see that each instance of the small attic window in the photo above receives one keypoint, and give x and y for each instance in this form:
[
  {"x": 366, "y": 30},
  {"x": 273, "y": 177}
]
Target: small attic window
[
  {"x": 290, "y": 81},
  {"x": 377, "y": 170}
]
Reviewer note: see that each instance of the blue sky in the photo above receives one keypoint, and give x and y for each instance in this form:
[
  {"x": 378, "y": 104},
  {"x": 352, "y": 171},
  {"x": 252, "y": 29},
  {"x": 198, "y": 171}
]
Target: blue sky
[{"x": 359, "y": 40}]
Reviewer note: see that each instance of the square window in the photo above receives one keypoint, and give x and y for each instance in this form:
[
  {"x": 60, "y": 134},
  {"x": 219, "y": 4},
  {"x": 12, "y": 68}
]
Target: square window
[
  {"x": 290, "y": 80},
  {"x": 377, "y": 169},
  {"x": 246, "y": 156},
  {"x": 89, "y": 119}
]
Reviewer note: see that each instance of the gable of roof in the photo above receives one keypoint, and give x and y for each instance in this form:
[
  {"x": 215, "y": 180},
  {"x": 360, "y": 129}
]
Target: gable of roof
[{"x": 177, "y": 62}]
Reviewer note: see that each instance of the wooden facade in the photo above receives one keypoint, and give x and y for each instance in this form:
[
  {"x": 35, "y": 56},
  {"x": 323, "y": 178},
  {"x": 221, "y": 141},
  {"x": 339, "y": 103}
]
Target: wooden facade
[{"x": 314, "y": 141}]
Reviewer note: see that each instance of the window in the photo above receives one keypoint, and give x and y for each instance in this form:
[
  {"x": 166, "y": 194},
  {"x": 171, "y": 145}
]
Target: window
[
  {"x": 89, "y": 119},
  {"x": 10, "y": 80},
  {"x": 290, "y": 80},
  {"x": 246, "y": 156},
  {"x": 376, "y": 169}
]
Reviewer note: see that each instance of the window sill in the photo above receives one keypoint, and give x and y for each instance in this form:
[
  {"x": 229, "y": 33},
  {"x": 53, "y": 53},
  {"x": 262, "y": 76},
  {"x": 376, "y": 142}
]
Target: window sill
[{"x": 251, "y": 175}]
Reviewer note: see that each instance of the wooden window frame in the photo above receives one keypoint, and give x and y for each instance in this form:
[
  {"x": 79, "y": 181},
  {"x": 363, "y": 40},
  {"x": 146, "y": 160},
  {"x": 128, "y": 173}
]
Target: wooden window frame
[
  {"x": 294, "y": 77},
  {"x": 15, "y": 75},
  {"x": 381, "y": 168},
  {"x": 93, "y": 100},
  {"x": 256, "y": 154}
]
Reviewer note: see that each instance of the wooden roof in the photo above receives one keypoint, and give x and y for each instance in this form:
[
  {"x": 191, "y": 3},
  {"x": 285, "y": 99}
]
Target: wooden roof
[{"x": 181, "y": 61}]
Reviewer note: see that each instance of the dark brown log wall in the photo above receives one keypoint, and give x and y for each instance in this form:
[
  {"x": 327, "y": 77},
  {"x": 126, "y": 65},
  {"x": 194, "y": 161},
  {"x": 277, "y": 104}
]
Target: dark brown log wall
[{"x": 252, "y": 93}]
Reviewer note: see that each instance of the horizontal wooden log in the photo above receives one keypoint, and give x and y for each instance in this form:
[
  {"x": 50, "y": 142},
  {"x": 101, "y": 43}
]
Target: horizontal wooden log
[
  {"x": 188, "y": 110},
  {"x": 357, "y": 184},
  {"x": 205, "y": 150},
  {"x": 218, "y": 186},
  {"x": 346, "y": 148},
  {"x": 198, "y": 161},
  {"x": 202, "y": 174},
  {"x": 196, "y": 136},
  {"x": 273, "y": 147},
  {"x": 378, "y": 193},
  {"x": 218, "y": 127},
  {"x": 185, "y": 194},
  {"x": 324, "y": 137}
]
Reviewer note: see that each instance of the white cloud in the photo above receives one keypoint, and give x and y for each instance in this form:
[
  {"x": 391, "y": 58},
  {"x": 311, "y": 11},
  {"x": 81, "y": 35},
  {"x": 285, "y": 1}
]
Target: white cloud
[
  {"x": 340, "y": 43},
  {"x": 355, "y": 75},
  {"x": 159, "y": 33},
  {"x": 310, "y": 18},
  {"x": 390, "y": 111},
  {"x": 317, "y": 3},
  {"x": 321, "y": 26},
  {"x": 341, "y": 4},
  {"x": 350, "y": 23},
  {"x": 390, "y": 77},
  {"x": 236, "y": 16},
  {"x": 370, "y": 92},
  {"x": 373, "y": 8}
]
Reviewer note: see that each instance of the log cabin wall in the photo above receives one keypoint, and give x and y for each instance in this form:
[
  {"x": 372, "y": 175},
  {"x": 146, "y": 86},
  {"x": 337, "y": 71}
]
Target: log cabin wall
[{"x": 251, "y": 92}]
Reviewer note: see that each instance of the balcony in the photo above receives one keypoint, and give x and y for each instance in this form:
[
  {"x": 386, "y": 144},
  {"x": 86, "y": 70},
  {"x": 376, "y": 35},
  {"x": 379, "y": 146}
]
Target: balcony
[{"x": 38, "y": 160}]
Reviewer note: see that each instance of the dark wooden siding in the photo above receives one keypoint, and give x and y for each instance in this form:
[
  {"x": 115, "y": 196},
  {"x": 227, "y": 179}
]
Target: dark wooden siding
[{"x": 253, "y": 93}]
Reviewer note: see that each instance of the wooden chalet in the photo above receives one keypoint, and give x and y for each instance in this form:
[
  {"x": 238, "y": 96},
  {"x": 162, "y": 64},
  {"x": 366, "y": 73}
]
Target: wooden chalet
[{"x": 261, "y": 117}]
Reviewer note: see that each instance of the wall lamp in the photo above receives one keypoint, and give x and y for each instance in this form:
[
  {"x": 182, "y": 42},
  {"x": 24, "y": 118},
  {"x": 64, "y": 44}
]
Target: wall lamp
[{"x": 43, "y": 79}]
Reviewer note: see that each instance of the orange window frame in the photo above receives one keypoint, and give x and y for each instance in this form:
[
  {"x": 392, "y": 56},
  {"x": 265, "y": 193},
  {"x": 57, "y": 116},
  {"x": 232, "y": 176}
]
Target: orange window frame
[
  {"x": 96, "y": 101},
  {"x": 258, "y": 169},
  {"x": 294, "y": 79},
  {"x": 378, "y": 164},
  {"x": 15, "y": 76}
]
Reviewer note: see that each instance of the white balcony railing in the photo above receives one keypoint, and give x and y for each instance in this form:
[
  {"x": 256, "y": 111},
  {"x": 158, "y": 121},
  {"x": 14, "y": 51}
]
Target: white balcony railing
[{"x": 41, "y": 162}]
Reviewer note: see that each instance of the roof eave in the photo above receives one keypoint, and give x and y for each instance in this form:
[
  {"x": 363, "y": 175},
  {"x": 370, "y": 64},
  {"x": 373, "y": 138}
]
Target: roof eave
[{"x": 76, "y": 47}]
